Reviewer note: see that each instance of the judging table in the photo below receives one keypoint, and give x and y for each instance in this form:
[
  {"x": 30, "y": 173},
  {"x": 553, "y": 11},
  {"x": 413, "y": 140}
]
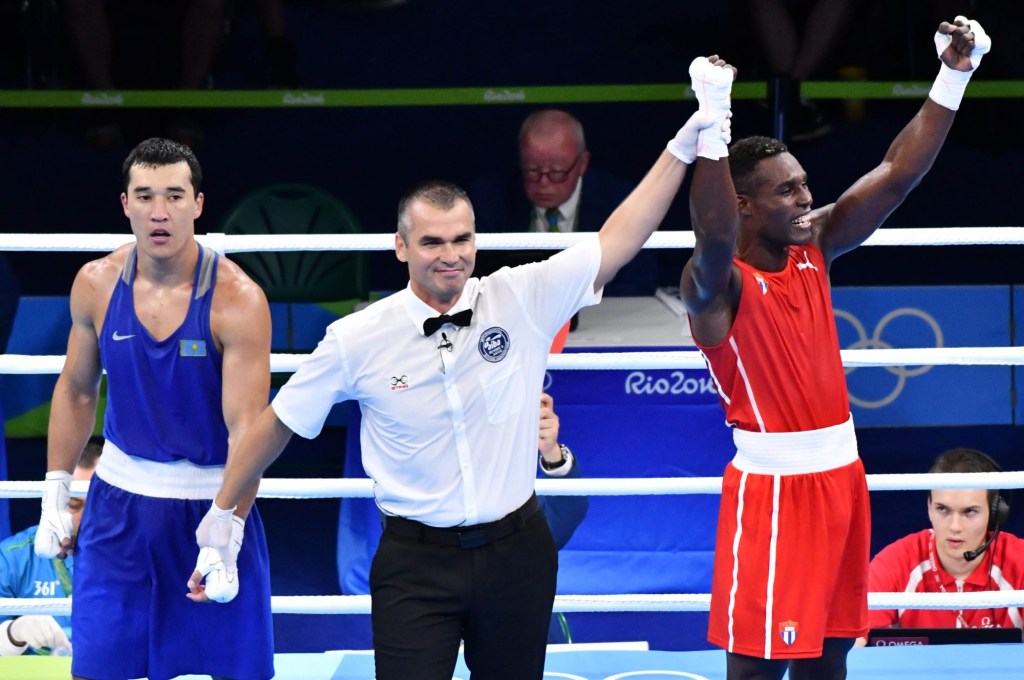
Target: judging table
[{"x": 630, "y": 322}]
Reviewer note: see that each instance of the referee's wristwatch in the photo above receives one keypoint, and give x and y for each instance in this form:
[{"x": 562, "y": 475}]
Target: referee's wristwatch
[{"x": 566, "y": 459}]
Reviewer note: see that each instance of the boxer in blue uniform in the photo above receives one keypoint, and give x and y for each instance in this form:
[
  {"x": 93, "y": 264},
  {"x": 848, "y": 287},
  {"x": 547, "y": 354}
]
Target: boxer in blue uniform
[{"x": 184, "y": 336}]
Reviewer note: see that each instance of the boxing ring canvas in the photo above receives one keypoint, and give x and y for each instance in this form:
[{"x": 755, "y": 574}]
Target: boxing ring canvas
[{"x": 947, "y": 662}]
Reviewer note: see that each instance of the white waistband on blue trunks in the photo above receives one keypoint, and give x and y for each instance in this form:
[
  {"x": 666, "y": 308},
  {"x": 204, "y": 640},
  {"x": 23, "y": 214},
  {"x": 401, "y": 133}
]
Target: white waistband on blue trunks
[
  {"x": 795, "y": 453},
  {"x": 181, "y": 479}
]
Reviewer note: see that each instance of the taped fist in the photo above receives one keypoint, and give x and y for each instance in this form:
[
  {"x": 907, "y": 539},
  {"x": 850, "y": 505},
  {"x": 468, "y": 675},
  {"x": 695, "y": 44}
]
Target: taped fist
[
  {"x": 960, "y": 46},
  {"x": 53, "y": 538},
  {"x": 965, "y": 40},
  {"x": 711, "y": 80},
  {"x": 218, "y": 559}
]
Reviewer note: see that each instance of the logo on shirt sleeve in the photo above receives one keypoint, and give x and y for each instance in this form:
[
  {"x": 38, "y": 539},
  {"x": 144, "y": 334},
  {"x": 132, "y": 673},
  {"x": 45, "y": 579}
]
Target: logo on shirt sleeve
[
  {"x": 494, "y": 344},
  {"x": 192, "y": 348}
]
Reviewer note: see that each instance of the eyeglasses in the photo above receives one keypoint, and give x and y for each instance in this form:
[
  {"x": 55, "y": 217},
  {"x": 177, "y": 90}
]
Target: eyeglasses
[{"x": 554, "y": 176}]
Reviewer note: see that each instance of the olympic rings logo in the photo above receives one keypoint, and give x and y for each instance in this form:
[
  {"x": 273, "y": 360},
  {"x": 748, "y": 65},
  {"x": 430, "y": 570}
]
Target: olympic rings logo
[{"x": 902, "y": 373}]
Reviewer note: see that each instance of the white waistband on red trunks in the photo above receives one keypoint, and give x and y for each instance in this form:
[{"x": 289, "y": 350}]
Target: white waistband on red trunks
[
  {"x": 181, "y": 479},
  {"x": 795, "y": 453}
]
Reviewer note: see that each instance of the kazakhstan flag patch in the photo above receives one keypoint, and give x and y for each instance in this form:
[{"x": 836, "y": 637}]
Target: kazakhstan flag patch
[{"x": 193, "y": 348}]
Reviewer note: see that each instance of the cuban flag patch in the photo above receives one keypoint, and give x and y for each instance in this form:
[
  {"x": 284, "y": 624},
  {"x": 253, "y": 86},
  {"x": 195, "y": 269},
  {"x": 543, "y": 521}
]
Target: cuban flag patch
[
  {"x": 761, "y": 283},
  {"x": 192, "y": 348},
  {"x": 788, "y": 631}
]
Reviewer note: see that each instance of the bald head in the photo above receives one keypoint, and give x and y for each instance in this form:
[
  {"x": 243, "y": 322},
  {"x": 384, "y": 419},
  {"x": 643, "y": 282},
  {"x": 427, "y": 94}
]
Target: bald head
[
  {"x": 553, "y": 156},
  {"x": 550, "y": 123}
]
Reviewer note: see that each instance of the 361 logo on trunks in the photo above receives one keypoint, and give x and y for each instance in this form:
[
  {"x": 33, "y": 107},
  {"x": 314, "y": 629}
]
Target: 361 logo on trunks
[{"x": 494, "y": 344}]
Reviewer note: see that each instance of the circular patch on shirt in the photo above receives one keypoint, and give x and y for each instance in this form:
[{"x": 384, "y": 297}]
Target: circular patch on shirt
[{"x": 494, "y": 344}]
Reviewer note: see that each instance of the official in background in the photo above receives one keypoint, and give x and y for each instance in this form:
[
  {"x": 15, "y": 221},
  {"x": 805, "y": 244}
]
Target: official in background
[{"x": 965, "y": 551}]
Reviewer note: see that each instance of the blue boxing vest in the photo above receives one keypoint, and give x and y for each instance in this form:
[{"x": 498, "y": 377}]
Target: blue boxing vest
[{"x": 164, "y": 398}]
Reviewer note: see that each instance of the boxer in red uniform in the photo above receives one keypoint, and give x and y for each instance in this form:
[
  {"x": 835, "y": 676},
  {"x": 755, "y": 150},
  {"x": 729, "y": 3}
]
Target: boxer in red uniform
[{"x": 790, "y": 579}]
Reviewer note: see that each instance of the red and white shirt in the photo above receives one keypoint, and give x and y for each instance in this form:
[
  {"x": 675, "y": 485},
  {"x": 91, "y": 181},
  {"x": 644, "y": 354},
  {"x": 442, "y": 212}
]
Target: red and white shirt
[{"x": 906, "y": 566}]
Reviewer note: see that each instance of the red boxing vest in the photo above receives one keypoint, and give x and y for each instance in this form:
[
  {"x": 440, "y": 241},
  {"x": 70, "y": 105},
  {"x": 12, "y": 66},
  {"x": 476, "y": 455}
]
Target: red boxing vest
[{"x": 779, "y": 369}]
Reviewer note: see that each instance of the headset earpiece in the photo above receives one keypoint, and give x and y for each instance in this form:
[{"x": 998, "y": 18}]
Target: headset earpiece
[{"x": 999, "y": 513}]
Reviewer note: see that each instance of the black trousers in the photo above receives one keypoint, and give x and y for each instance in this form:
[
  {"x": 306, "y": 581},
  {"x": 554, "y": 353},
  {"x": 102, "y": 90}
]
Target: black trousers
[{"x": 497, "y": 597}]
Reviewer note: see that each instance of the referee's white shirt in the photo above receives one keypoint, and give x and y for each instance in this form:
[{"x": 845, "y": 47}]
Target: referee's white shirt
[{"x": 449, "y": 437}]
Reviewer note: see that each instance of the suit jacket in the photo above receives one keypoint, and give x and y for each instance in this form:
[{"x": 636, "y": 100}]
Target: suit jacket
[{"x": 500, "y": 205}]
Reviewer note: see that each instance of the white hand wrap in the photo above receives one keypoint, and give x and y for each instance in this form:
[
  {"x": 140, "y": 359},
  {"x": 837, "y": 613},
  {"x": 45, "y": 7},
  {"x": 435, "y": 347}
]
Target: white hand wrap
[
  {"x": 55, "y": 520},
  {"x": 712, "y": 85},
  {"x": 218, "y": 558},
  {"x": 684, "y": 145},
  {"x": 950, "y": 85},
  {"x": 37, "y": 632}
]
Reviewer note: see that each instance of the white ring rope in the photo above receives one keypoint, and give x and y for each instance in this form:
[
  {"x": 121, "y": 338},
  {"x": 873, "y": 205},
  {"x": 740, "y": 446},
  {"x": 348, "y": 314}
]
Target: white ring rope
[
  {"x": 27, "y": 364},
  {"x": 685, "y": 602},
  {"x": 237, "y": 243},
  {"x": 590, "y": 486}
]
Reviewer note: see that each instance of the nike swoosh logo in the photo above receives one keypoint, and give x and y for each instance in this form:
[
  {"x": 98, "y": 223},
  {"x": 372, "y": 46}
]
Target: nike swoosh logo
[{"x": 117, "y": 336}]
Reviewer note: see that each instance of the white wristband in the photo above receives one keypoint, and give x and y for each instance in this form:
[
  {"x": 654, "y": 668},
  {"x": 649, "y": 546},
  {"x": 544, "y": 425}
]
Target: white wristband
[
  {"x": 710, "y": 143},
  {"x": 948, "y": 89},
  {"x": 222, "y": 514}
]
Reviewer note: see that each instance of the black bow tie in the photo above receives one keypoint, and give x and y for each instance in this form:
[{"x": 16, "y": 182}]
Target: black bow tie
[{"x": 462, "y": 318}]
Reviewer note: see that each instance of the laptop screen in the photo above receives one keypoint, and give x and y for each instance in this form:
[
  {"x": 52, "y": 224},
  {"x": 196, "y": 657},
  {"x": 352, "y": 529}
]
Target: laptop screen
[{"x": 892, "y": 637}]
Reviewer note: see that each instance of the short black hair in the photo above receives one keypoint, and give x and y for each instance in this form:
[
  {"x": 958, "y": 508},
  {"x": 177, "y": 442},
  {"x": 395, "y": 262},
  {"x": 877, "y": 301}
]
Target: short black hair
[
  {"x": 439, "y": 193},
  {"x": 966, "y": 460},
  {"x": 745, "y": 154},
  {"x": 158, "y": 151},
  {"x": 90, "y": 457}
]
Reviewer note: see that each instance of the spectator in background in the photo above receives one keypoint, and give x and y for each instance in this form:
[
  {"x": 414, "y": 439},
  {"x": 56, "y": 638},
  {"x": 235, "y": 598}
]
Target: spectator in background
[
  {"x": 280, "y": 70},
  {"x": 964, "y": 551},
  {"x": 92, "y": 32},
  {"x": 25, "y": 575},
  {"x": 563, "y": 513},
  {"x": 550, "y": 194},
  {"x": 794, "y": 52}
]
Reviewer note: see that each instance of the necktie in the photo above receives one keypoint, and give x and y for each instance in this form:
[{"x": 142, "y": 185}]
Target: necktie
[
  {"x": 462, "y": 318},
  {"x": 552, "y": 215}
]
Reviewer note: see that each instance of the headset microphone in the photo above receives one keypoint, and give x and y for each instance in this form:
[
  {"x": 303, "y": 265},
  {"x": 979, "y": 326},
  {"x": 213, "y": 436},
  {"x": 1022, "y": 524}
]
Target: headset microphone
[
  {"x": 972, "y": 555},
  {"x": 999, "y": 513}
]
